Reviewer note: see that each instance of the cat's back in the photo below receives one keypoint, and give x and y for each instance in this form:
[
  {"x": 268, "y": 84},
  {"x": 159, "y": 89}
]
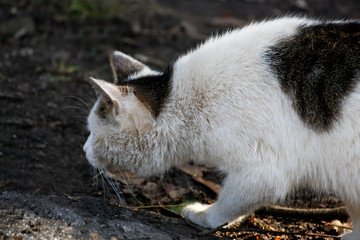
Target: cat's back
[
  {"x": 293, "y": 77},
  {"x": 242, "y": 45},
  {"x": 234, "y": 57},
  {"x": 314, "y": 64}
]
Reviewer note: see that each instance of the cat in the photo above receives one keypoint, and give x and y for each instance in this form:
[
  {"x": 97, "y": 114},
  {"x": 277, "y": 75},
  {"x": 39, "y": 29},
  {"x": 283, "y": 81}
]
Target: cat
[{"x": 274, "y": 105}]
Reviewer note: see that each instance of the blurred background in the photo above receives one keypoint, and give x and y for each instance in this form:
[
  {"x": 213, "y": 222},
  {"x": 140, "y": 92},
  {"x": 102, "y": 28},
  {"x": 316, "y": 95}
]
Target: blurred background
[{"x": 49, "y": 48}]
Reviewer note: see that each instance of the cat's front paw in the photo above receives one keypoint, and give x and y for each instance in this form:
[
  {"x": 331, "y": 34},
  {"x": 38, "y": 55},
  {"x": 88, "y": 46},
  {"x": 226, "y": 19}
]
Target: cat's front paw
[{"x": 196, "y": 213}]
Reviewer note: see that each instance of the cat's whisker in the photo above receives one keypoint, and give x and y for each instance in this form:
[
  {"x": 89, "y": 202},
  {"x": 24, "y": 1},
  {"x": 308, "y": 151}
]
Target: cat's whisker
[
  {"x": 75, "y": 107},
  {"x": 115, "y": 186},
  {"x": 95, "y": 176},
  {"x": 82, "y": 105},
  {"x": 96, "y": 173},
  {"x": 82, "y": 101},
  {"x": 80, "y": 119},
  {"x": 126, "y": 178},
  {"x": 104, "y": 182}
]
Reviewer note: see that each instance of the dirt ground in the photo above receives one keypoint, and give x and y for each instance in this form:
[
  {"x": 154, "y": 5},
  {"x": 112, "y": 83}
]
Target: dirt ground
[{"x": 47, "y": 188}]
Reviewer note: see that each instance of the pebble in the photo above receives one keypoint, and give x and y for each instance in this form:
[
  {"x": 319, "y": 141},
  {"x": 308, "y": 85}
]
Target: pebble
[{"x": 18, "y": 26}]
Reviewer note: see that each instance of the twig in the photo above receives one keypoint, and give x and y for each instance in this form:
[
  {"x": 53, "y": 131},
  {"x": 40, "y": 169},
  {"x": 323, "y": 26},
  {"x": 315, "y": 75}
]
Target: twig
[
  {"x": 194, "y": 225},
  {"x": 221, "y": 229},
  {"x": 211, "y": 231},
  {"x": 70, "y": 197},
  {"x": 171, "y": 213},
  {"x": 157, "y": 206},
  {"x": 329, "y": 213}
]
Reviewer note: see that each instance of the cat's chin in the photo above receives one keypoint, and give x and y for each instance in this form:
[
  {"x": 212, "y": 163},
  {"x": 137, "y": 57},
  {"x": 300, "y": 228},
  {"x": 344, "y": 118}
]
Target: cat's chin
[{"x": 93, "y": 162}]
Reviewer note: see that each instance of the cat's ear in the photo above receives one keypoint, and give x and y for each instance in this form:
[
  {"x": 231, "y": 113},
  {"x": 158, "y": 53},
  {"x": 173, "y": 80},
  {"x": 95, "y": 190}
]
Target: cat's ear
[
  {"x": 107, "y": 92},
  {"x": 122, "y": 101},
  {"x": 103, "y": 89},
  {"x": 123, "y": 65}
]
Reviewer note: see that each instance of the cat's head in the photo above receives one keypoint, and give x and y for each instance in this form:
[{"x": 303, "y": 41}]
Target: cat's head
[{"x": 124, "y": 111}]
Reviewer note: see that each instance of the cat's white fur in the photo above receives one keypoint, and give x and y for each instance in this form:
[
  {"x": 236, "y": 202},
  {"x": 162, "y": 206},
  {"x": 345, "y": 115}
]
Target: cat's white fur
[{"x": 226, "y": 109}]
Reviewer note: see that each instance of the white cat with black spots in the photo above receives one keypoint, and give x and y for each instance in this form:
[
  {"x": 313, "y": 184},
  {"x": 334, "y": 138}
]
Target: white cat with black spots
[{"x": 247, "y": 102}]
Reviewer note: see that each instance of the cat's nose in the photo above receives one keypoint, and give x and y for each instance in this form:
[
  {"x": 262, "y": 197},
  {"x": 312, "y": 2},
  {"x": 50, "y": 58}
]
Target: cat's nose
[
  {"x": 84, "y": 148},
  {"x": 87, "y": 145}
]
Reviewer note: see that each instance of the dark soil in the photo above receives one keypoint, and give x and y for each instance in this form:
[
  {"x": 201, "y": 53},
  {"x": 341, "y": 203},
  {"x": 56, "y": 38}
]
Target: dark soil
[{"x": 47, "y": 188}]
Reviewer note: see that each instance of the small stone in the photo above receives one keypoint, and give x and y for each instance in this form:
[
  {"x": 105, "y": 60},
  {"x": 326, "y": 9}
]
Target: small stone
[
  {"x": 94, "y": 236},
  {"x": 18, "y": 26}
]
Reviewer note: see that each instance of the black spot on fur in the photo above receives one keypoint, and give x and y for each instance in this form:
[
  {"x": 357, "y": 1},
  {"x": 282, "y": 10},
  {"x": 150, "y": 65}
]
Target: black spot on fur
[
  {"x": 152, "y": 91},
  {"x": 317, "y": 69}
]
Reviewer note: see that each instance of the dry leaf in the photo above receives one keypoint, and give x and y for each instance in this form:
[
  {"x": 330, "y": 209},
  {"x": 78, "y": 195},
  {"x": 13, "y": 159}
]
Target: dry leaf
[
  {"x": 121, "y": 174},
  {"x": 192, "y": 170},
  {"x": 216, "y": 188},
  {"x": 337, "y": 226},
  {"x": 127, "y": 190},
  {"x": 136, "y": 181},
  {"x": 152, "y": 192},
  {"x": 125, "y": 178},
  {"x": 165, "y": 200},
  {"x": 174, "y": 192},
  {"x": 197, "y": 172},
  {"x": 177, "y": 194},
  {"x": 151, "y": 188},
  {"x": 168, "y": 187}
]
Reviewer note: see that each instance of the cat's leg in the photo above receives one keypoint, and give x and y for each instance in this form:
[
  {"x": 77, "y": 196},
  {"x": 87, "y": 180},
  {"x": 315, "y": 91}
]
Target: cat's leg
[
  {"x": 238, "y": 198},
  {"x": 354, "y": 212}
]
